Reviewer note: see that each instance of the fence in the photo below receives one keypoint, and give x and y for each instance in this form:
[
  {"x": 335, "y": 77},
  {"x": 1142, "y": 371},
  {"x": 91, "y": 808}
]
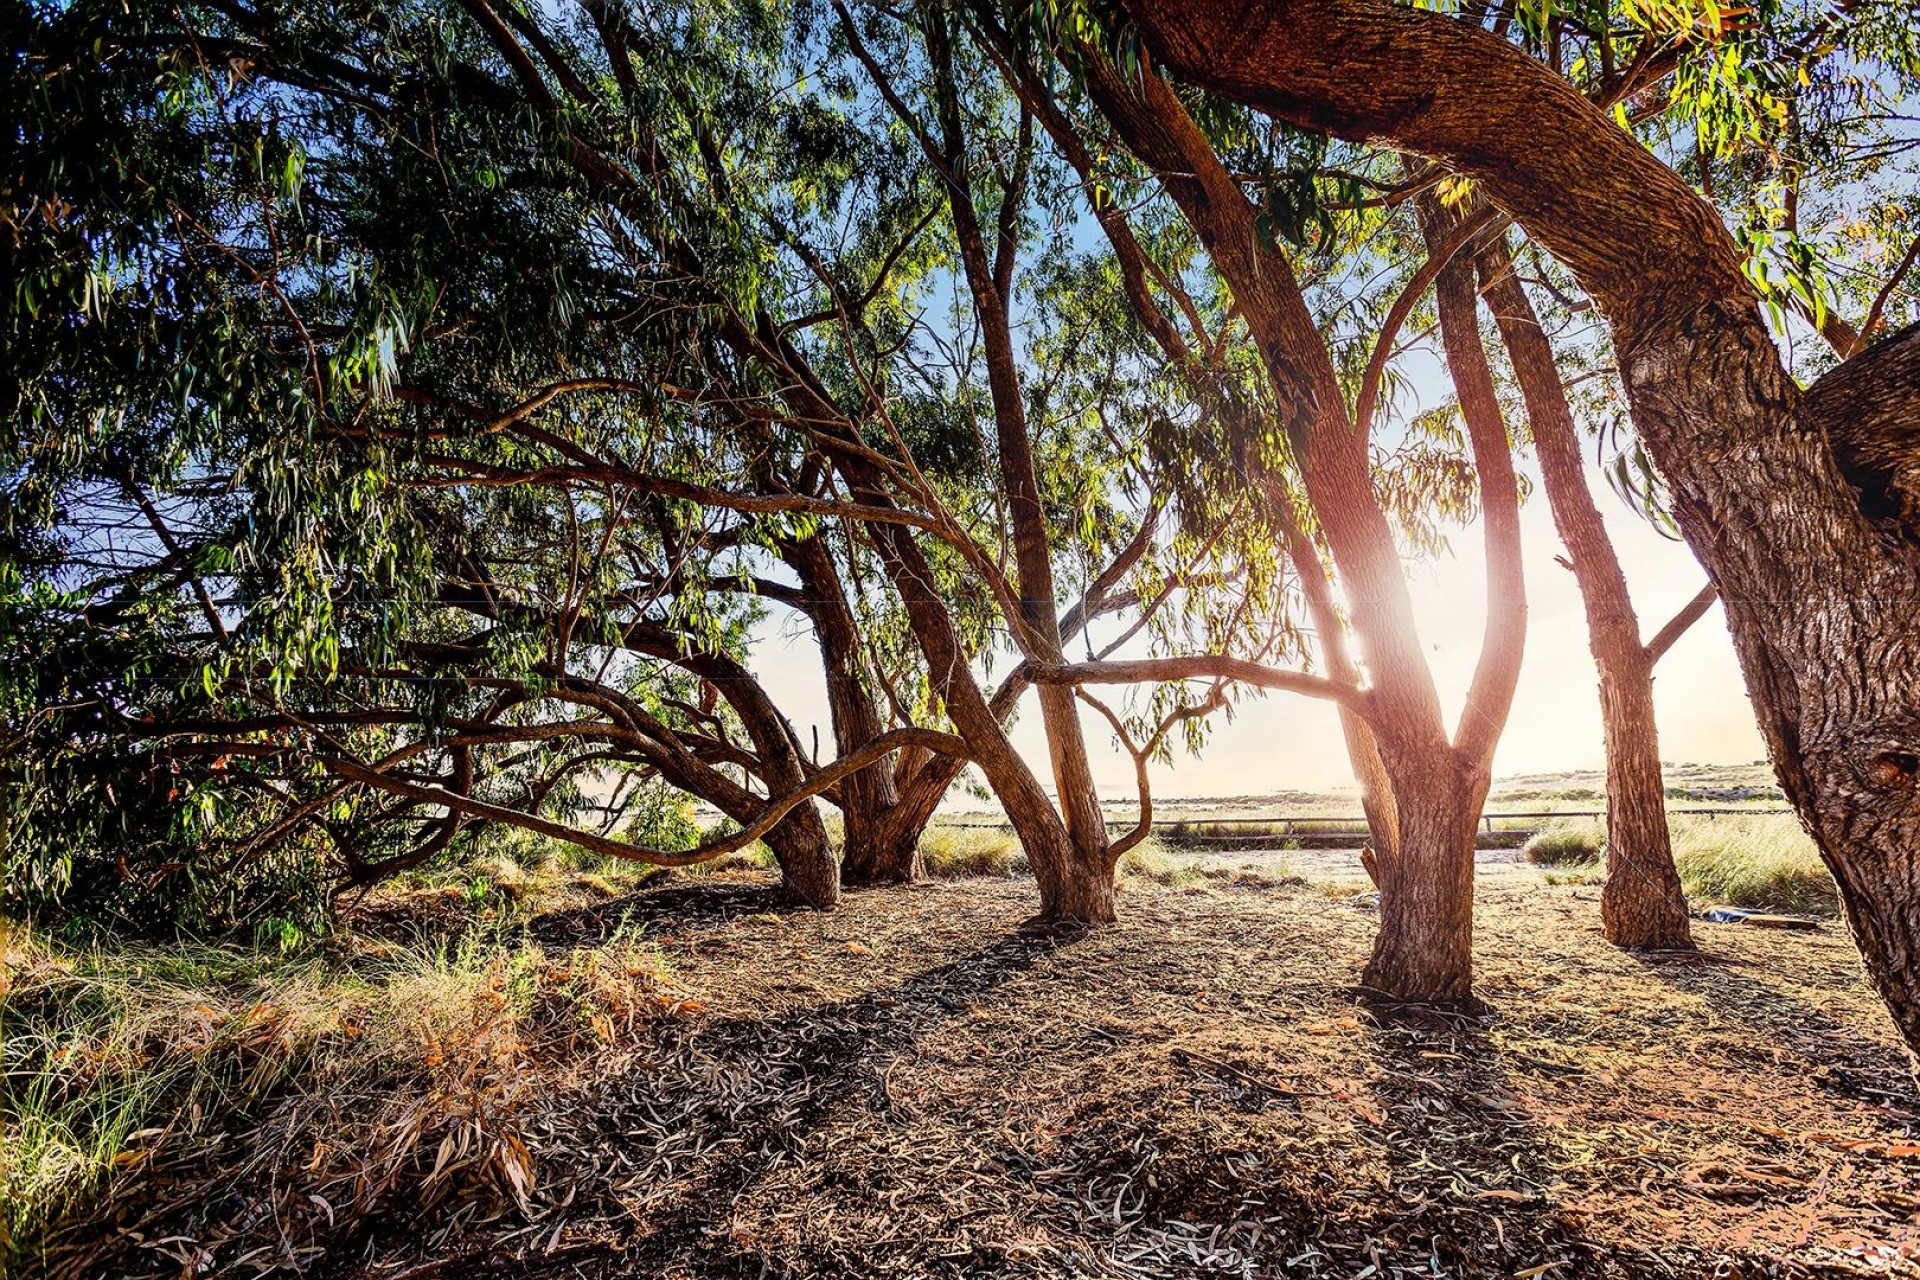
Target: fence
[{"x": 1516, "y": 825}]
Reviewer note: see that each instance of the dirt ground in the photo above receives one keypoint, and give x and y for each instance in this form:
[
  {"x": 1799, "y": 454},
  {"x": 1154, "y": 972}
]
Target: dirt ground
[{"x": 909, "y": 1087}]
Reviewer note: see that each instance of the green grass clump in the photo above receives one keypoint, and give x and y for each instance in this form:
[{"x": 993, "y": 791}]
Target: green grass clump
[
  {"x": 1150, "y": 860},
  {"x": 1567, "y": 842},
  {"x": 953, "y": 853},
  {"x": 1766, "y": 863}
]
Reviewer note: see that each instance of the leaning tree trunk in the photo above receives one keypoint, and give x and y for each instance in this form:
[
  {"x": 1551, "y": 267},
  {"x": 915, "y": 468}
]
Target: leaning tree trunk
[
  {"x": 799, "y": 842},
  {"x": 1642, "y": 906},
  {"x": 1798, "y": 503}
]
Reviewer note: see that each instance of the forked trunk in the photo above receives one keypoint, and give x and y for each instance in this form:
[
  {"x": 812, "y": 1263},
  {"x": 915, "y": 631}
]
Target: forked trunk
[
  {"x": 882, "y": 845},
  {"x": 1423, "y": 951}
]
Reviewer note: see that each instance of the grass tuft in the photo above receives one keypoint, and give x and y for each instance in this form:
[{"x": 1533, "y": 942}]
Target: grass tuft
[
  {"x": 1151, "y": 860},
  {"x": 1766, "y": 863},
  {"x": 952, "y": 853},
  {"x": 1567, "y": 842}
]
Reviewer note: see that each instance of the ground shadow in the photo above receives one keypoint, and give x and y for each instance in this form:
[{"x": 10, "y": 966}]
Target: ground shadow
[
  {"x": 724, "y": 1101},
  {"x": 1837, "y": 1059},
  {"x": 686, "y": 907}
]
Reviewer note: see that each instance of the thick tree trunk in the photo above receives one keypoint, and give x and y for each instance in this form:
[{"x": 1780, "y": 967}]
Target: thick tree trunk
[
  {"x": 1423, "y": 951},
  {"x": 1642, "y": 906},
  {"x": 809, "y": 871},
  {"x": 1813, "y": 553}
]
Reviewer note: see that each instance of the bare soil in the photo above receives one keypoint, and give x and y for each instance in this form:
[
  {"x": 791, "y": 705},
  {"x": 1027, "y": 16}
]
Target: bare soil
[{"x": 910, "y": 1086}]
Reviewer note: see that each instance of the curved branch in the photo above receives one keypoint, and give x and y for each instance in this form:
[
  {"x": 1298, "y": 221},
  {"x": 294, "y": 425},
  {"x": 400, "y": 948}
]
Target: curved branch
[{"x": 1208, "y": 666}]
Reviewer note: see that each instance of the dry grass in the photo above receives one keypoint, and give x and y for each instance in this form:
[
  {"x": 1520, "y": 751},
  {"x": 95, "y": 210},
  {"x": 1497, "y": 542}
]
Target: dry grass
[
  {"x": 331, "y": 1085},
  {"x": 1763, "y": 862},
  {"x": 1740, "y": 860},
  {"x": 1566, "y": 842},
  {"x": 955, "y": 852}
]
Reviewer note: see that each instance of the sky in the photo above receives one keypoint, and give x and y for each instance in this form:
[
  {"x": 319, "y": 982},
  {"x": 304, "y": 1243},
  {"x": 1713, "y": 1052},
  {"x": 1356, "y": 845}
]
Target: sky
[{"x": 1286, "y": 742}]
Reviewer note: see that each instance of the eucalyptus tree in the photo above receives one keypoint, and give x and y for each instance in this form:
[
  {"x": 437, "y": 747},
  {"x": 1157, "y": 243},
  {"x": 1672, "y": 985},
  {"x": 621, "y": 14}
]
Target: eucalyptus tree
[
  {"x": 1795, "y": 500},
  {"x": 245, "y": 315},
  {"x": 1425, "y": 783},
  {"x": 491, "y": 501}
]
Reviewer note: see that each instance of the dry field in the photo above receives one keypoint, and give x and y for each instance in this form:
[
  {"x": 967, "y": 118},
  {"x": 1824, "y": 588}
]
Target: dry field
[{"x": 913, "y": 1087}]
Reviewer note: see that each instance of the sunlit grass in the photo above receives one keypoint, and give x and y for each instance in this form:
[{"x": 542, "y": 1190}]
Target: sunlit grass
[
  {"x": 954, "y": 852},
  {"x": 1760, "y": 861},
  {"x": 1566, "y": 842},
  {"x": 1750, "y": 861},
  {"x": 402, "y": 1070}
]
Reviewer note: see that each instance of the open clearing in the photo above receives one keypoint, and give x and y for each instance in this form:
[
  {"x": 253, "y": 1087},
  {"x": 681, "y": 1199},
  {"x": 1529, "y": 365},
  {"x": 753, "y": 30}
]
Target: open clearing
[{"x": 911, "y": 1087}]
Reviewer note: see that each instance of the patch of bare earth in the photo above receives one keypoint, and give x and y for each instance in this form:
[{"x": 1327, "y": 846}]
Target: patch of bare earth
[{"x": 910, "y": 1087}]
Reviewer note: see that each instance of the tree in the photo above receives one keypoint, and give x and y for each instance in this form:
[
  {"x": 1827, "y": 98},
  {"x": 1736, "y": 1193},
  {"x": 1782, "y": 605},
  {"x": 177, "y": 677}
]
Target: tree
[
  {"x": 1785, "y": 495},
  {"x": 1436, "y": 779}
]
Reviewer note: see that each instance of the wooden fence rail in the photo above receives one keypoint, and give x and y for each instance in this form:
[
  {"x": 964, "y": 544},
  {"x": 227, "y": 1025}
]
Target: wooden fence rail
[{"x": 1334, "y": 824}]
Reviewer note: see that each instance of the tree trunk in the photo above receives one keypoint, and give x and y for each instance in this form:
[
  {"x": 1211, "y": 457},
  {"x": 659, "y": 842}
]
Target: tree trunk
[
  {"x": 877, "y": 847},
  {"x": 1642, "y": 906},
  {"x": 880, "y": 846},
  {"x": 1424, "y": 947},
  {"x": 1423, "y": 951},
  {"x": 989, "y": 273},
  {"x": 809, "y": 872}
]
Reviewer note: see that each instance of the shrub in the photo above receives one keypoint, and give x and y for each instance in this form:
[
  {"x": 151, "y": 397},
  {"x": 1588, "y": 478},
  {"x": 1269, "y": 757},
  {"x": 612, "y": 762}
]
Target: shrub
[
  {"x": 1767, "y": 863},
  {"x": 1567, "y": 842}
]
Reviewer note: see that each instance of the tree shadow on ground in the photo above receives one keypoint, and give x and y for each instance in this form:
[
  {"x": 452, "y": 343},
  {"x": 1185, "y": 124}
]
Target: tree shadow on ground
[
  {"x": 1836, "y": 1058},
  {"x": 686, "y": 907},
  {"x": 1473, "y": 1182},
  {"x": 723, "y": 1102}
]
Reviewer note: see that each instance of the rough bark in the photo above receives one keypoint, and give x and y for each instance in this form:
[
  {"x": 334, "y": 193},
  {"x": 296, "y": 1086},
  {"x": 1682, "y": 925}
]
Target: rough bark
[
  {"x": 1870, "y": 408},
  {"x": 1642, "y": 906},
  {"x": 1818, "y": 582},
  {"x": 1423, "y": 951}
]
